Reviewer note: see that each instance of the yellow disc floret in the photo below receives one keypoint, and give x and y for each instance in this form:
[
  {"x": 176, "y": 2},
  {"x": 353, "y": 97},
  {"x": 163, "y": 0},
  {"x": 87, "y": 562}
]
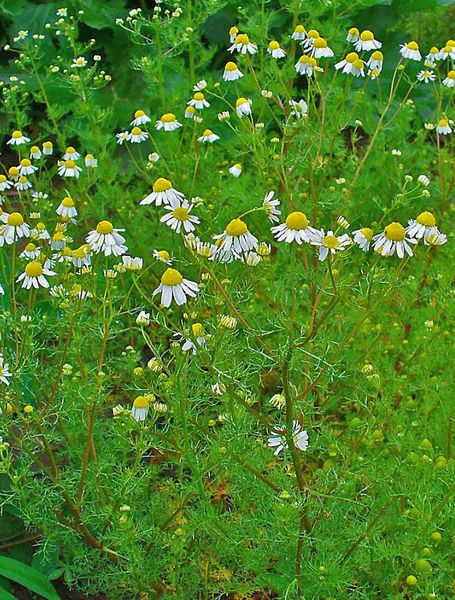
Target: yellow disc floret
[
  {"x": 30, "y": 247},
  {"x": 230, "y": 66},
  {"x": 274, "y": 45},
  {"x": 141, "y": 402},
  {"x": 331, "y": 241},
  {"x": 412, "y": 45},
  {"x": 136, "y": 131},
  {"x": 104, "y": 227},
  {"x": 377, "y": 55},
  {"x": 352, "y": 57},
  {"x": 164, "y": 255},
  {"x": 162, "y": 185},
  {"x": 168, "y": 118},
  {"x": 138, "y": 114},
  {"x": 395, "y": 231},
  {"x": 171, "y": 277},
  {"x": 207, "y": 132},
  {"x": 367, "y": 233},
  {"x": 367, "y": 36},
  {"x": 68, "y": 202},
  {"x": 198, "y": 96},
  {"x": 181, "y": 213},
  {"x": 426, "y": 218},
  {"x": 297, "y": 220},
  {"x": 197, "y": 329},
  {"x": 15, "y": 219},
  {"x": 25, "y": 162},
  {"x": 33, "y": 269},
  {"x": 320, "y": 42},
  {"x": 236, "y": 228},
  {"x": 242, "y": 38},
  {"x": 16, "y": 134}
]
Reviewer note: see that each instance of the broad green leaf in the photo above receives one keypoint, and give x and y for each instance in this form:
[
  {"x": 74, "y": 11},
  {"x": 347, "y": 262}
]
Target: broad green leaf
[
  {"x": 28, "y": 577},
  {"x": 4, "y": 595}
]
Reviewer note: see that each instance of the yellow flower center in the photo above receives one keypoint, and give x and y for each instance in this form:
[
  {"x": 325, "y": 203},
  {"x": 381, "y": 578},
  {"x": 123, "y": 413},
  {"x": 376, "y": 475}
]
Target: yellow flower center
[
  {"x": 40, "y": 226},
  {"x": 136, "y": 131},
  {"x": 351, "y": 57},
  {"x": 70, "y": 164},
  {"x": 309, "y": 60},
  {"x": 164, "y": 255},
  {"x": 168, "y": 118},
  {"x": 13, "y": 171},
  {"x": 331, "y": 241},
  {"x": 70, "y": 150},
  {"x": 197, "y": 329},
  {"x": 198, "y": 96},
  {"x": 141, "y": 402},
  {"x": 30, "y": 247},
  {"x": 434, "y": 50},
  {"x": 233, "y": 30},
  {"x": 299, "y": 29},
  {"x": 230, "y": 66},
  {"x": 16, "y": 134},
  {"x": 171, "y": 277},
  {"x": 25, "y": 162},
  {"x": 297, "y": 221},
  {"x": 34, "y": 149},
  {"x": 395, "y": 231},
  {"x": 47, "y": 145},
  {"x": 207, "y": 132},
  {"x": 242, "y": 38},
  {"x": 367, "y": 233},
  {"x": 412, "y": 45},
  {"x": 426, "y": 218},
  {"x": 274, "y": 45},
  {"x": 79, "y": 252},
  {"x": 68, "y": 202},
  {"x": 241, "y": 101},
  {"x": 104, "y": 227},
  {"x": 236, "y": 227},
  {"x": 451, "y": 74},
  {"x": 190, "y": 109},
  {"x": 354, "y": 31},
  {"x": 2, "y": 178},
  {"x": 366, "y": 36},
  {"x": 33, "y": 269},
  {"x": 181, "y": 213},
  {"x": 377, "y": 55},
  {"x": 358, "y": 64},
  {"x": 443, "y": 123},
  {"x": 313, "y": 33},
  {"x": 138, "y": 114},
  {"x": 15, "y": 219},
  {"x": 162, "y": 185},
  {"x": 22, "y": 179},
  {"x": 320, "y": 42}
]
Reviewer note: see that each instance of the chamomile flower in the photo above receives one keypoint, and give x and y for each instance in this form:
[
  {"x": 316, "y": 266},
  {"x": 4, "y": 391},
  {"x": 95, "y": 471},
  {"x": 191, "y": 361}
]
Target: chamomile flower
[
  {"x": 143, "y": 318},
  {"x": 22, "y": 34},
  {"x": 18, "y": 138},
  {"x": 353, "y": 35},
  {"x": 31, "y": 251},
  {"x": 231, "y": 72},
  {"x": 153, "y": 157},
  {"x": 79, "y": 63},
  {"x": 351, "y": 65},
  {"x": 278, "y": 441},
  {"x": 423, "y": 180},
  {"x": 311, "y": 36},
  {"x": 243, "y": 107},
  {"x": 48, "y": 148},
  {"x": 136, "y": 135},
  {"x": 90, "y": 161},
  {"x": 39, "y": 232},
  {"x": 443, "y": 127},
  {"x": 66, "y": 208},
  {"x": 14, "y": 229},
  {"x": 162, "y": 256},
  {"x": 320, "y": 49},
  {"x": 270, "y": 206},
  {"x": 299, "y": 33},
  {"x": 35, "y": 153},
  {"x": 71, "y": 154},
  {"x": 233, "y": 32},
  {"x": 163, "y": 193},
  {"x": 296, "y": 228},
  {"x": 449, "y": 81},
  {"x": 140, "y": 118},
  {"x": 106, "y": 239},
  {"x": 5, "y": 373},
  {"x": 252, "y": 259},
  {"x": 132, "y": 263},
  {"x": 424, "y": 226},
  {"x": 426, "y": 76},
  {"x": 330, "y": 243},
  {"x": 264, "y": 249},
  {"x": 26, "y": 168},
  {"x": 141, "y": 407},
  {"x": 236, "y": 239},
  {"x": 5, "y": 184},
  {"x": 242, "y": 45},
  {"x": 62, "y": 12},
  {"x": 433, "y": 55},
  {"x": 278, "y": 401},
  {"x": 376, "y": 61},
  {"x": 189, "y": 112},
  {"x": 122, "y": 137},
  {"x": 410, "y": 50},
  {"x": 168, "y": 122},
  {"x": 393, "y": 240},
  {"x": 298, "y": 109},
  {"x": 224, "y": 116},
  {"x": 275, "y": 50},
  {"x": 367, "y": 42},
  {"x": 200, "y": 85},
  {"x": 173, "y": 286},
  {"x": 200, "y": 339},
  {"x": 227, "y": 322},
  {"x": 206, "y": 249},
  {"x": 81, "y": 257},
  {"x": 362, "y": 237},
  {"x": 68, "y": 168},
  {"x": 23, "y": 184},
  {"x": 306, "y": 65},
  {"x": 208, "y": 137},
  {"x": 34, "y": 276},
  {"x": 447, "y": 52},
  {"x": 236, "y": 170},
  {"x": 199, "y": 101},
  {"x": 179, "y": 217},
  {"x": 435, "y": 239}
]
